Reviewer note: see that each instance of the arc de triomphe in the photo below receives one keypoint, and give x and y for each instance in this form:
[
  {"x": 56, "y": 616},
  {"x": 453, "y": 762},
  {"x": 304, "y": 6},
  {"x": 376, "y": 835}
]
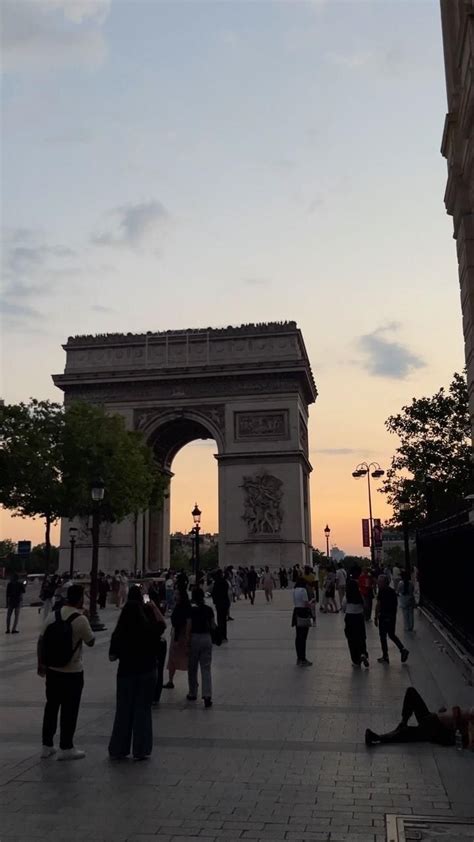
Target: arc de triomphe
[{"x": 249, "y": 389}]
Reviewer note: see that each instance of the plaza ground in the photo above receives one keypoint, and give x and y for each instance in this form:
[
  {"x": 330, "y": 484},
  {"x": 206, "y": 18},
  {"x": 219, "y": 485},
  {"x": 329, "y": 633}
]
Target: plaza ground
[{"x": 280, "y": 756}]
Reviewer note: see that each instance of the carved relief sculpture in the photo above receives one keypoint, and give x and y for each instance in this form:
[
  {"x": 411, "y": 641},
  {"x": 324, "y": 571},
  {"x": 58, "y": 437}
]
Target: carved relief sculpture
[
  {"x": 261, "y": 425},
  {"x": 262, "y": 509}
]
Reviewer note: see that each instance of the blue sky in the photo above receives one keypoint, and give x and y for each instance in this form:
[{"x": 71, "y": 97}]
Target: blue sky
[{"x": 188, "y": 164}]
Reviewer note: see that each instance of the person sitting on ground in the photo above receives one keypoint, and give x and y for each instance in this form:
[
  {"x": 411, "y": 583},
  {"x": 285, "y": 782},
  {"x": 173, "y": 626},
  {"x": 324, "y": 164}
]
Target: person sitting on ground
[{"x": 439, "y": 728}]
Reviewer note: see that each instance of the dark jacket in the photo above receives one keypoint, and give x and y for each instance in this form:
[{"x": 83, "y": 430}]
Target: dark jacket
[{"x": 15, "y": 591}]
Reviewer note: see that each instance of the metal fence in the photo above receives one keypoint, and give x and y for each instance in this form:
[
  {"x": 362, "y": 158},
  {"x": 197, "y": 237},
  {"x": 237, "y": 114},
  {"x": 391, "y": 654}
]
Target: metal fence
[{"x": 446, "y": 573}]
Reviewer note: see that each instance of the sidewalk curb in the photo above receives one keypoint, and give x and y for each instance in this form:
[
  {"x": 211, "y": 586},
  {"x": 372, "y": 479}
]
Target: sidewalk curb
[{"x": 450, "y": 646}]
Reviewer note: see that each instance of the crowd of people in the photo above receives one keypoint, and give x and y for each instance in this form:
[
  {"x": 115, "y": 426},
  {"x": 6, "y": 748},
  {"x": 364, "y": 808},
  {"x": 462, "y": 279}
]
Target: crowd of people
[{"x": 139, "y": 646}]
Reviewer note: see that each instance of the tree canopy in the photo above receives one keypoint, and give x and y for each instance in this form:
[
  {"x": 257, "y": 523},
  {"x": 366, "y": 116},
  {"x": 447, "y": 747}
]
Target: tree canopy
[
  {"x": 51, "y": 455},
  {"x": 432, "y": 469}
]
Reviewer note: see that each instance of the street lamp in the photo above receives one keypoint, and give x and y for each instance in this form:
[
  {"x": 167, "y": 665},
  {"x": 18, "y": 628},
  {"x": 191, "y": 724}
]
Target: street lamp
[
  {"x": 196, "y": 515},
  {"x": 362, "y": 470},
  {"x": 327, "y": 533},
  {"x": 72, "y": 540},
  {"x": 404, "y": 511},
  {"x": 97, "y": 494}
]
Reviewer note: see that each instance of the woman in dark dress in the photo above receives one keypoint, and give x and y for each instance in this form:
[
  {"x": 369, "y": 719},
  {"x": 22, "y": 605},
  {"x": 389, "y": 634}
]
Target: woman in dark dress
[
  {"x": 354, "y": 621},
  {"x": 134, "y": 644}
]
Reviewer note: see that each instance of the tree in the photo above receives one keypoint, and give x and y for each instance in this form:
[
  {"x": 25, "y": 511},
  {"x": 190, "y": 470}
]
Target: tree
[
  {"x": 98, "y": 445},
  {"x": 432, "y": 469},
  {"x": 7, "y": 549},
  {"x": 30, "y": 461},
  {"x": 50, "y": 456}
]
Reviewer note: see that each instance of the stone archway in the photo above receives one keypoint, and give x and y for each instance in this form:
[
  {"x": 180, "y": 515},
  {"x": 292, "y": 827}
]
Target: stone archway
[{"x": 249, "y": 388}]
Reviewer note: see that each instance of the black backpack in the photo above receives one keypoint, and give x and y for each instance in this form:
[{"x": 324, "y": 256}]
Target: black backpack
[{"x": 56, "y": 646}]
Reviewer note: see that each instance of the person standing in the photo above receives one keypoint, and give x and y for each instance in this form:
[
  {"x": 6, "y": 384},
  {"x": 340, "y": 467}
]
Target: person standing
[
  {"x": 310, "y": 581},
  {"x": 102, "y": 590},
  {"x": 180, "y": 631},
  {"x": 244, "y": 575},
  {"x": 221, "y": 600},
  {"x": 268, "y": 584},
  {"x": 301, "y": 621},
  {"x": 123, "y": 589},
  {"x": 330, "y": 592},
  {"x": 386, "y": 618},
  {"x": 200, "y": 652},
  {"x": 252, "y": 579},
  {"x": 60, "y": 662},
  {"x": 15, "y": 591},
  {"x": 116, "y": 589},
  {"x": 134, "y": 643},
  {"x": 341, "y": 581},
  {"x": 366, "y": 587},
  {"x": 48, "y": 589},
  {"x": 354, "y": 622},
  {"x": 406, "y": 597}
]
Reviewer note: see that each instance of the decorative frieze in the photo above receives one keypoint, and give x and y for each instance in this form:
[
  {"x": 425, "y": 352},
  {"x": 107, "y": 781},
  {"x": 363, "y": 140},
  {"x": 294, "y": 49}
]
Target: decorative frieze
[
  {"x": 272, "y": 425},
  {"x": 262, "y": 507}
]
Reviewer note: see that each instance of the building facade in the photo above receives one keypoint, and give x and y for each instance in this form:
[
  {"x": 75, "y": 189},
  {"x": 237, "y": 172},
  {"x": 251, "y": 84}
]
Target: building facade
[{"x": 458, "y": 148}]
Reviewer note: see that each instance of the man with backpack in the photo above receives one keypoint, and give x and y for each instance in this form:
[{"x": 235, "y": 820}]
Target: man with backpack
[{"x": 60, "y": 662}]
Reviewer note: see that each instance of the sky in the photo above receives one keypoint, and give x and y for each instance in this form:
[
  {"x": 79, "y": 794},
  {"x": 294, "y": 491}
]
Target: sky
[{"x": 192, "y": 164}]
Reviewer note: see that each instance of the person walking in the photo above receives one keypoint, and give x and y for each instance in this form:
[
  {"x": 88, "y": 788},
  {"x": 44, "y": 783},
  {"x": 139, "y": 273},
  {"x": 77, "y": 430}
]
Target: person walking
[
  {"x": 102, "y": 590},
  {"x": 341, "y": 581},
  {"x": 330, "y": 592},
  {"x": 244, "y": 576},
  {"x": 134, "y": 643},
  {"x": 252, "y": 579},
  {"x": 406, "y": 598},
  {"x": 123, "y": 589},
  {"x": 366, "y": 587},
  {"x": 200, "y": 651},
  {"x": 354, "y": 622},
  {"x": 60, "y": 662},
  {"x": 301, "y": 621},
  {"x": 386, "y": 618},
  {"x": 116, "y": 588},
  {"x": 221, "y": 600},
  {"x": 179, "y": 641},
  {"x": 268, "y": 584},
  {"x": 48, "y": 589},
  {"x": 438, "y": 728},
  {"x": 14, "y": 596}
]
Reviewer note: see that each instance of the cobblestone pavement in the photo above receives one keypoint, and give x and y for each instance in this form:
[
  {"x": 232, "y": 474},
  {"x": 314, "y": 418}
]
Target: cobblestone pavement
[{"x": 280, "y": 756}]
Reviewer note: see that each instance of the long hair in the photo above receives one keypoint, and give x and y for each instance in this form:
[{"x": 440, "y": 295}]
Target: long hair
[{"x": 132, "y": 623}]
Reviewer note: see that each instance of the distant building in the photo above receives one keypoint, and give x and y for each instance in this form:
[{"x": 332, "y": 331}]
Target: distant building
[{"x": 337, "y": 554}]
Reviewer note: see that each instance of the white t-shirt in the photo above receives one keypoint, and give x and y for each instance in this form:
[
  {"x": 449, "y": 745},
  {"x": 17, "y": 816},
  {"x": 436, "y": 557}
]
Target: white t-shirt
[
  {"x": 81, "y": 632},
  {"x": 341, "y": 577},
  {"x": 300, "y": 597}
]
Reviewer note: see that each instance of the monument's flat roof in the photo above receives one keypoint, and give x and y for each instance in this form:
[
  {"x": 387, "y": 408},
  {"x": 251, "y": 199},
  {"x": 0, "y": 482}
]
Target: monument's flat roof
[{"x": 231, "y": 330}]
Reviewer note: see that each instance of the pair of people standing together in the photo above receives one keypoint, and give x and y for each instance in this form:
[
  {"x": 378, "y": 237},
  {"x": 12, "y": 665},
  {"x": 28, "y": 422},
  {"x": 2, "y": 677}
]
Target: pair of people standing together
[
  {"x": 385, "y": 618},
  {"x": 191, "y": 643}
]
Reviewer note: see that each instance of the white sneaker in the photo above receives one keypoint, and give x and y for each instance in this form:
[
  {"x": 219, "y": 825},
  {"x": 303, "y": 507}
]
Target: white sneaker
[
  {"x": 71, "y": 754},
  {"x": 47, "y": 751}
]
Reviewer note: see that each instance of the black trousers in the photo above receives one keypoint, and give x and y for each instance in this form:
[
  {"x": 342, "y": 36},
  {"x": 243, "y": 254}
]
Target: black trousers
[
  {"x": 252, "y": 595},
  {"x": 222, "y": 612},
  {"x": 387, "y": 629},
  {"x": 63, "y": 692},
  {"x": 429, "y": 729},
  {"x": 160, "y": 666},
  {"x": 300, "y": 642},
  {"x": 354, "y": 629},
  {"x": 368, "y": 601}
]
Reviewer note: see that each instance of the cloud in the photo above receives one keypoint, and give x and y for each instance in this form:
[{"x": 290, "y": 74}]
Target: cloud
[
  {"x": 316, "y": 204},
  {"x": 99, "y": 308},
  {"x": 30, "y": 270},
  {"x": 385, "y": 357},
  {"x": 42, "y": 34},
  {"x": 135, "y": 225},
  {"x": 257, "y": 282},
  {"x": 390, "y": 61}
]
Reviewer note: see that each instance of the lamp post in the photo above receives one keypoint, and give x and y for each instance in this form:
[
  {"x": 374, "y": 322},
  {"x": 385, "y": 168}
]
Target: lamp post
[
  {"x": 327, "y": 533},
  {"x": 196, "y": 514},
  {"x": 362, "y": 470},
  {"x": 97, "y": 494},
  {"x": 72, "y": 540},
  {"x": 404, "y": 511}
]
